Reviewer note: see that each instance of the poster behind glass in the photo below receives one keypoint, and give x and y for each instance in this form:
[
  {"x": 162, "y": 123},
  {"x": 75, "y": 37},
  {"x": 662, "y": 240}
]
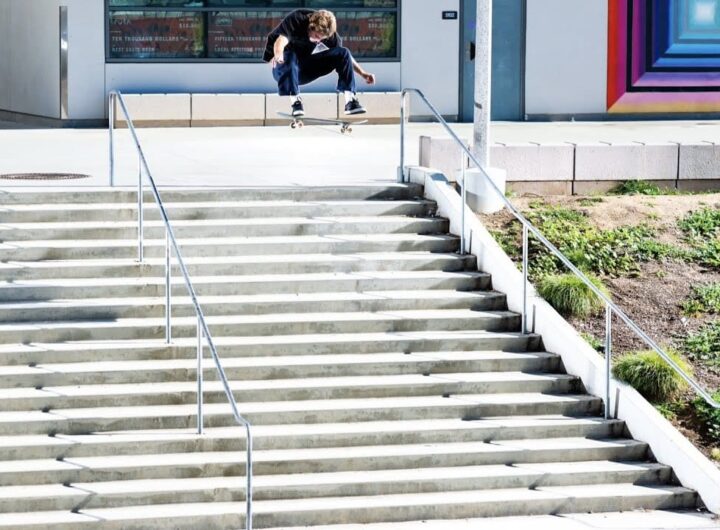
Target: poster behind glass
[{"x": 156, "y": 35}]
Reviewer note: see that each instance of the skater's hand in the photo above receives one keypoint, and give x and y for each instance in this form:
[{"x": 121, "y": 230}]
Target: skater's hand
[
  {"x": 277, "y": 60},
  {"x": 369, "y": 78}
]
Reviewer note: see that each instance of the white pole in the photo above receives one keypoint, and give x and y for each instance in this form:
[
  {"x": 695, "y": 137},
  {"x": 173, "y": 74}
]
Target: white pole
[{"x": 483, "y": 67}]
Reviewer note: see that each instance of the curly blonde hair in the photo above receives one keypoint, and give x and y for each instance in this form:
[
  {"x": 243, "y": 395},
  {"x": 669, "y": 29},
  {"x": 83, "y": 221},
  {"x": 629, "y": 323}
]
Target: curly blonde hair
[{"x": 323, "y": 22}]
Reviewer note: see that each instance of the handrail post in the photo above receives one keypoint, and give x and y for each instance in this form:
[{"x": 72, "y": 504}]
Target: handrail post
[
  {"x": 463, "y": 176},
  {"x": 111, "y": 131},
  {"x": 608, "y": 357},
  {"x": 200, "y": 422},
  {"x": 525, "y": 259},
  {"x": 401, "y": 169},
  {"x": 141, "y": 214},
  {"x": 168, "y": 290},
  {"x": 249, "y": 473}
]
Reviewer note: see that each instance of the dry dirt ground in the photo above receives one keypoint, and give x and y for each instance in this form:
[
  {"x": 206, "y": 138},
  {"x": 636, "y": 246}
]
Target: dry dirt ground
[{"x": 653, "y": 297}]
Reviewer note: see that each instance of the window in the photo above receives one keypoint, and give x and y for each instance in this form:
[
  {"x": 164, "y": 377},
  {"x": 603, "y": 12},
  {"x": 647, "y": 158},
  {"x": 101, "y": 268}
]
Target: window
[{"x": 235, "y": 30}]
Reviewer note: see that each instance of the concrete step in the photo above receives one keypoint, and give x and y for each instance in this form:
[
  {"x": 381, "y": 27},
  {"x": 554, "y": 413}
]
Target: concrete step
[
  {"x": 295, "y": 388},
  {"x": 78, "y": 496},
  {"x": 220, "y": 209},
  {"x": 35, "y": 353},
  {"x": 468, "y": 406},
  {"x": 317, "y": 460},
  {"x": 264, "y": 324},
  {"x": 309, "y": 435},
  {"x": 69, "y": 249},
  {"x": 44, "y": 376},
  {"x": 238, "y": 265},
  {"x": 646, "y": 519},
  {"x": 373, "y": 191},
  {"x": 377, "y": 301},
  {"x": 27, "y": 290},
  {"x": 216, "y": 228},
  {"x": 365, "y": 509}
]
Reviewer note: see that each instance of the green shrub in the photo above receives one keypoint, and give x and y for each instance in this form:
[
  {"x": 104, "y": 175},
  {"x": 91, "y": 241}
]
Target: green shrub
[
  {"x": 715, "y": 454},
  {"x": 704, "y": 299},
  {"x": 702, "y": 223},
  {"x": 709, "y": 418},
  {"x": 570, "y": 295},
  {"x": 651, "y": 375},
  {"x": 705, "y": 344},
  {"x": 636, "y": 187}
]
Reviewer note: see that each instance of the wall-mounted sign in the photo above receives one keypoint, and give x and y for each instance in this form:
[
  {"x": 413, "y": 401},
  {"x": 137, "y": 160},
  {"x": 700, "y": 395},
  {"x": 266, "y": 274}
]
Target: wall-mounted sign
[{"x": 450, "y": 15}]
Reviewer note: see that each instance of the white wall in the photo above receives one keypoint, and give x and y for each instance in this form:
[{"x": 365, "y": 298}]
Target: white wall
[
  {"x": 29, "y": 40},
  {"x": 30, "y": 57},
  {"x": 29, "y": 61},
  {"x": 431, "y": 53},
  {"x": 566, "y": 62},
  {"x": 86, "y": 63}
]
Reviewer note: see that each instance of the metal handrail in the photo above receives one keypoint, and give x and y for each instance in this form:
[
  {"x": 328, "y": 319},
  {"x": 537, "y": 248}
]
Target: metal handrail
[
  {"x": 203, "y": 331},
  {"x": 610, "y": 306}
]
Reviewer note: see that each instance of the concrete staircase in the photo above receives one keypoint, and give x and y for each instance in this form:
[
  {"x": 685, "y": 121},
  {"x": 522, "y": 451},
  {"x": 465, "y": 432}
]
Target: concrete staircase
[{"x": 385, "y": 378}]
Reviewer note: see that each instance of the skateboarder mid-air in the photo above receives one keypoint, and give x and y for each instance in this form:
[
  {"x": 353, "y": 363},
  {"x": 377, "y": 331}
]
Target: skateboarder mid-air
[{"x": 304, "y": 47}]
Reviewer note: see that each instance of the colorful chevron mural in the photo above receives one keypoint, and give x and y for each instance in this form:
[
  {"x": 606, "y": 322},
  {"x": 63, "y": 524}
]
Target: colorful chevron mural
[{"x": 663, "y": 56}]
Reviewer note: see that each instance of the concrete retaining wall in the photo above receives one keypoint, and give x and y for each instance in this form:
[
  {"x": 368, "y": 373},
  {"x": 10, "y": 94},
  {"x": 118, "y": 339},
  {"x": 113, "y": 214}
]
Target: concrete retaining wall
[
  {"x": 226, "y": 110},
  {"x": 587, "y": 168}
]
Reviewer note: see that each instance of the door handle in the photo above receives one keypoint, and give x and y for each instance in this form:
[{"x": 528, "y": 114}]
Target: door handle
[{"x": 471, "y": 50}]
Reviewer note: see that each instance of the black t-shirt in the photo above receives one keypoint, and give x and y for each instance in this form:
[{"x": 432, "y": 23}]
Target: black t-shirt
[{"x": 295, "y": 28}]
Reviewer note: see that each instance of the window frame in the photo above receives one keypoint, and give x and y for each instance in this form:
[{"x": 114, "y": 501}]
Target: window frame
[{"x": 213, "y": 60}]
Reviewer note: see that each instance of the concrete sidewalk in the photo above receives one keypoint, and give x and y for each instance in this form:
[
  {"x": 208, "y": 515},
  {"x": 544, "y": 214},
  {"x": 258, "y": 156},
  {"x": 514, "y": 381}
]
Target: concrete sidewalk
[{"x": 268, "y": 156}]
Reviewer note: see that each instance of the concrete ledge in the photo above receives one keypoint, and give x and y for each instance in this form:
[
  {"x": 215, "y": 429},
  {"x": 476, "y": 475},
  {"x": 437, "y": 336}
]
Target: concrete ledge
[
  {"x": 668, "y": 446},
  {"x": 590, "y": 187},
  {"x": 533, "y": 161},
  {"x": 442, "y": 154},
  {"x": 218, "y": 110},
  {"x": 382, "y": 107},
  {"x": 316, "y": 106},
  {"x": 699, "y": 161},
  {"x": 155, "y": 110},
  {"x": 699, "y": 185},
  {"x": 542, "y": 187},
  {"x": 632, "y": 161}
]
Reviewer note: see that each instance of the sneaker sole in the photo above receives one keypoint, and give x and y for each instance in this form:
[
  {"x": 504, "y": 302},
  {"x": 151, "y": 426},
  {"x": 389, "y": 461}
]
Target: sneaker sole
[{"x": 359, "y": 111}]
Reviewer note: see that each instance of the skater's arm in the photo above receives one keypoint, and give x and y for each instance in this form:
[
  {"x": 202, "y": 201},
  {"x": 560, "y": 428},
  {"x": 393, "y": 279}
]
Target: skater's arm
[
  {"x": 279, "y": 50},
  {"x": 368, "y": 77}
]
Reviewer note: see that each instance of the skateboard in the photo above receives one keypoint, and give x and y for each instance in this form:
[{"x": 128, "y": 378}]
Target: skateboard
[{"x": 299, "y": 121}]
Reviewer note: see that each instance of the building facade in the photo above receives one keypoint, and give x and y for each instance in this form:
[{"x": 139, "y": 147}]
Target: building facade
[{"x": 551, "y": 58}]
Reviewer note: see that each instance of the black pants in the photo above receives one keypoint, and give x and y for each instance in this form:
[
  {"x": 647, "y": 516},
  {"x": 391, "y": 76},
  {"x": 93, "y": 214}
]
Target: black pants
[{"x": 296, "y": 71}]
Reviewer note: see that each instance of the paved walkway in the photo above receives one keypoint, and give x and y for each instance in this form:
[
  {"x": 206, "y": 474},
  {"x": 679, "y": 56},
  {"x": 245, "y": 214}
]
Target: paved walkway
[{"x": 267, "y": 156}]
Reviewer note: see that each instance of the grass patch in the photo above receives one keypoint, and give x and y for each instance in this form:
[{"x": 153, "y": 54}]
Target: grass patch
[
  {"x": 613, "y": 252},
  {"x": 597, "y": 344},
  {"x": 705, "y": 299},
  {"x": 702, "y": 224},
  {"x": 715, "y": 454},
  {"x": 637, "y": 187},
  {"x": 709, "y": 419},
  {"x": 650, "y": 375},
  {"x": 671, "y": 410},
  {"x": 571, "y": 296},
  {"x": 705, "y": 344},
  {"x": 590, "y": 201}
]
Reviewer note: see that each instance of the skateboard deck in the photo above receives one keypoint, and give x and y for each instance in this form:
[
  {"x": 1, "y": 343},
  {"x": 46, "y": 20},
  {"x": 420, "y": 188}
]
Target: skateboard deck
[{"x": 299, "y": 121}]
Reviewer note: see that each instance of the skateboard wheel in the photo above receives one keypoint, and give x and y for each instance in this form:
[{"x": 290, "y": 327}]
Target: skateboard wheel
[
  {"x": 293, "y": 125},
  {"x": 349, "y": 130}
]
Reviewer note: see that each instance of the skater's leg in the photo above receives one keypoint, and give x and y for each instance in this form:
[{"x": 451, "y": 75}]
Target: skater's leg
[{"x": 287, "y": 75}]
